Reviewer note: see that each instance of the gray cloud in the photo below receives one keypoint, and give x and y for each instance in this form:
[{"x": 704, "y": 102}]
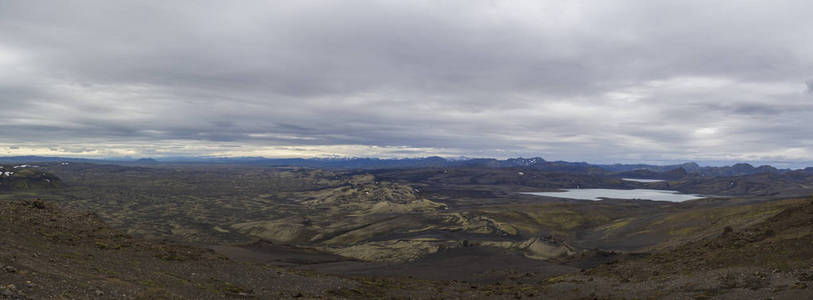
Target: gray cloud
[{"x": 596, "y": 81}]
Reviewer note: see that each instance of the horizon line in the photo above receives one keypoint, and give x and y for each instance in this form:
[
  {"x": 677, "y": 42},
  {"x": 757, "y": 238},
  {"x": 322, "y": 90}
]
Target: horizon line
[{"x": 169, "y": 159}]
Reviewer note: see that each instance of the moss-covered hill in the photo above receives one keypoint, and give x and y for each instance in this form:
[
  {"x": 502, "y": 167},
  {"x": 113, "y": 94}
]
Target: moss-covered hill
[
  {"x": 48, "y": 251},
  {"x": 26, "y": 177}
]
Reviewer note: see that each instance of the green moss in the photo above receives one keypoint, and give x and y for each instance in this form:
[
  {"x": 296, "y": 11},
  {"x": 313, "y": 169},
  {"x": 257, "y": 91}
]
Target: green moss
[
  {"x": 685, "y": 231},
  {"x": 558, "y": 278},
  {"x": 616, "y": 225}
]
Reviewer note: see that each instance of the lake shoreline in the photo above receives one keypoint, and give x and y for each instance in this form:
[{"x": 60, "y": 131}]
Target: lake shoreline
[{"x": 628, "y": 194}]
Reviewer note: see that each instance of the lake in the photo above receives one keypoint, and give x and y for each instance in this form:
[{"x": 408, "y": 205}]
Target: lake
[
  {"x": 598, "y": 194},
  {"x": 642, "y": 180}
]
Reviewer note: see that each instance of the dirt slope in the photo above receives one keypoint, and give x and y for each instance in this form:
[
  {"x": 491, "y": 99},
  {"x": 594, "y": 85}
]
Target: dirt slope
[
  {"x": 769, "y": 260},
  {"x": 51, "y": 252}
]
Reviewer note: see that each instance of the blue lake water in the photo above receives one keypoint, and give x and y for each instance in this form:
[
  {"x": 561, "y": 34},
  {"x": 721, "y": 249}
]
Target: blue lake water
[{"x": 599, "y": 194}]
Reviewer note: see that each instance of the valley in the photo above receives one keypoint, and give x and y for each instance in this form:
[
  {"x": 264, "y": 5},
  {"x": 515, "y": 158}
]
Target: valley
[{"x": 472, "y": 226}]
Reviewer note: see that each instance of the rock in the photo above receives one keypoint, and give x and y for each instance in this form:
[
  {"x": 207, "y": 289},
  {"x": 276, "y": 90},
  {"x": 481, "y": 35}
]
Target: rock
[
  {"x": 10, "y": 269},
  {"x": 38, "y": 204},
  {"x": 99, "y": 293},
  {"x": 10, "y": 291}
]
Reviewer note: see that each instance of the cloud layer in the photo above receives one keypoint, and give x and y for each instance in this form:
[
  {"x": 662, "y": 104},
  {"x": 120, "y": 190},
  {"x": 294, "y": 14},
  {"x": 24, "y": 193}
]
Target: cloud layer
[{"x": 578, "y": 80}]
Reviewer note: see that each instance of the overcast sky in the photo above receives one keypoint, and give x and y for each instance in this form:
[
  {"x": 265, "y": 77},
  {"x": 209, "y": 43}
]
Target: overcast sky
[{"x": 599, "y": 81}]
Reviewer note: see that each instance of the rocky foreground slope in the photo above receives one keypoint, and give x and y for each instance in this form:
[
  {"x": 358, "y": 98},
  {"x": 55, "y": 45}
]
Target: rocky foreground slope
[
  {"x": 48, "y": 252},
  {"x": 772, "y": 259}
]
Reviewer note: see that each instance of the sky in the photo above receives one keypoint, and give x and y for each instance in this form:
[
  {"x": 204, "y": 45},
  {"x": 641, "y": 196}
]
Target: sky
[{"x": 599, "y": 81}]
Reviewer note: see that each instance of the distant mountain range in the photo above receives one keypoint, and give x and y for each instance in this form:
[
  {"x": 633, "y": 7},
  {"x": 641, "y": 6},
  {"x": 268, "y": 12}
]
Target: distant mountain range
[{"x": 537, "y": 163}]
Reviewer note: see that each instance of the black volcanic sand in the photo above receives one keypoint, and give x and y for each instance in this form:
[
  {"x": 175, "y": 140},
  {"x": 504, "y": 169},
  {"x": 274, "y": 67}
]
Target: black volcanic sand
[
  {"x": 470, "y": 264},
  {"x": 267, "y": 253}
]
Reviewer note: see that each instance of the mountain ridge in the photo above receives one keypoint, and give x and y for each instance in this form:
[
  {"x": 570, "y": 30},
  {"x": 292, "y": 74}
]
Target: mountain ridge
[{"x": 367, "y": 163}]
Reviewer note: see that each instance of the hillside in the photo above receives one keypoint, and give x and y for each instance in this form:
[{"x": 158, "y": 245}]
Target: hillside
[
  {"x": 772, "y": 259},
  {"x": 26, "y": 177},
  {"x": 48, "y": 251},
  {"x": 464, "y": 232}
]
